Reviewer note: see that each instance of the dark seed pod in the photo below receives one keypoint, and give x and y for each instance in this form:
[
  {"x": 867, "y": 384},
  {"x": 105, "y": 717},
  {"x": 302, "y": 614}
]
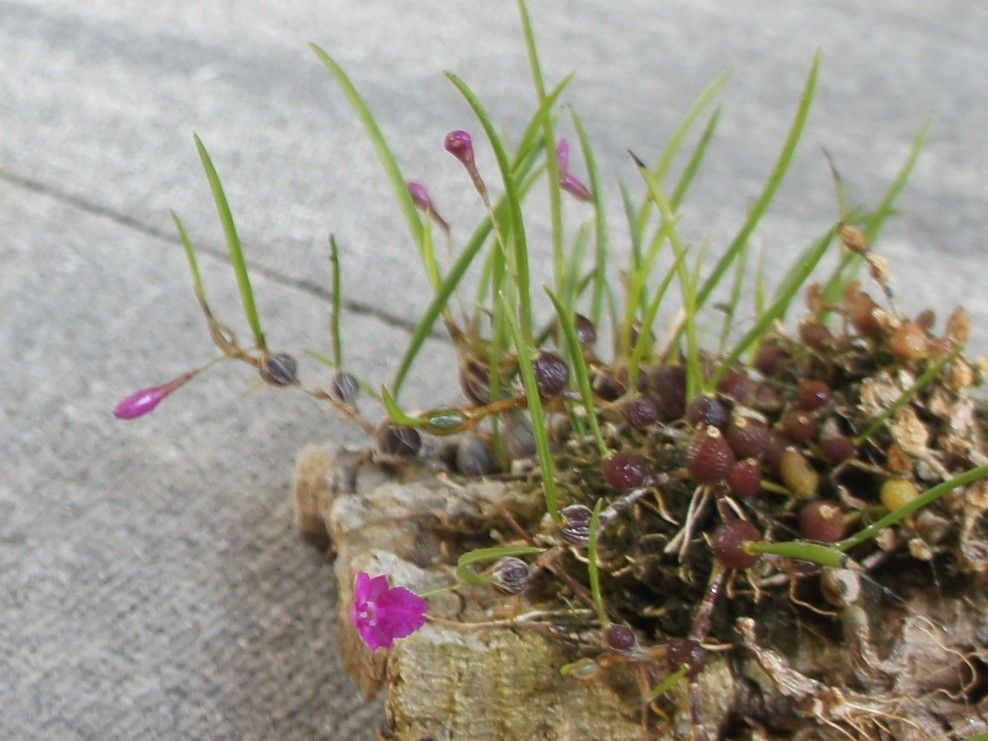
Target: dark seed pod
[
  {"x": 641, "y": 412},
  {"x": 836, "y": 446},
  {"x": 280, "y": 369},
  {"x": 926, "y": 319},
  {"x": 683, "y": 651},
  {"x": 822, "y": 520},
  {"x": 771, "y": 359},
  {"x": 729, "y": 544},
  {"x": 798, "y": 426},
  {"x": 668, "y": 384},
  {"x": 815, "y": 335},
  {"x": 812, "y": 394},
  {"x": 551, "y": 373},
  {"x": 745, "y": 478},
  {"x": 623, "y": 471},
  {"x": 620, "y": 638},
  {"x": 475, "y": 382},
  {"x": 710, "y": 457},
  {"x": 736, "y": 385},
  {"x": 395, "y": 440},
  {"x": 706, "y": 410},
  {"x": 474, "y": 457},
  {"x": 344, "y": 387},
  {"x": 575, "y": 526},
  {"x": 519, "y": 440},
  {"x": 748, "y": 437},
  {"x": 586, "y": 332},
  {"x": 609, "y": 388},
  {"x": 510, "y": 575}
]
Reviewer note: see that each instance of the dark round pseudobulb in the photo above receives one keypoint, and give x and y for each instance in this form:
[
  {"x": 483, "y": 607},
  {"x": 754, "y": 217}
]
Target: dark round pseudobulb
[
  {"x": 799, "y": 427},
  {"x": 510, "y": 575},
  {"x": 748, "y": 437},
  {"x": 551, "y": 373},
  {"x": 812, "y": 394},
  {"x": 575, "y": 525},
  {"x": 586, "y": 332},
  {"x": 641, "y": 412},
  {"x": 771, "y": 359},
  {"x": 620, "y": 638},
  {"x": 710, "y": 457},
  {"x": 815, "y": 335},
  {"x": 344, "y": 387},
  {"x": 280, "y": 369},
  {"x": 403, "y": 442},
  {"x": 766, "y": 398},
  {"x": 822, "y": 520},
  {"x": 745, "y": 478},
  {"x": 736, "y": 384},
  {"x": 608, "y": 387},
  {"x": 668, "y": 385},
  {"x": 683, "y": 651},
  {"x": 474, "y": 457},
  {"x": 623, "y": 471},
  {"x": 728, "y": 544},
  {"x": 707, "y": 410},
  {"x": 838, "y": 448}
]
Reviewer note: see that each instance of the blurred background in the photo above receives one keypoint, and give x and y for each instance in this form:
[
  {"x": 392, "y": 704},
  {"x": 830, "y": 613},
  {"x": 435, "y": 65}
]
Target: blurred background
[{"x": 150, "y": 581}]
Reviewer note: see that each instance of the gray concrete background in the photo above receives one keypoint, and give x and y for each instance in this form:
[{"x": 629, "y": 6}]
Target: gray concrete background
[{"x": 150, "y": 582}]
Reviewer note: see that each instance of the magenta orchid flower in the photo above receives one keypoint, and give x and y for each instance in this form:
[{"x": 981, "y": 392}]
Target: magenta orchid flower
[
  {"x": 567, "y": 181},
  {"x": 144, "y": 401},
  {"x": 381, "y": 613}
]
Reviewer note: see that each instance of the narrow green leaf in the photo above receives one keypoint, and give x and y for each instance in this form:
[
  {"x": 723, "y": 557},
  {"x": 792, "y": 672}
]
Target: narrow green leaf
[
  {"x": 741, "y": 268},
  {"x": 807, "y": 264},
  {"x": 771, "y": 187},
  {"x": 651, "y": 312},
  {"x": 517, "y": 223},
  {"x": 696, "y": 159},
  {"x": 464, "y": 564},
  {"x": 396, "y": 413},
  {"x": 801, "y": 550},
  {"x": 593, "y": 570},
  {"x": 575, "y": 352},
  {"x": 668, "y": 683},
  {"x": 541, "y": 434},
  {"x": 190, "y": 254},
  {"x": 924, "y": 500},
  {"x": 600, "y": 219},
  {"x": 906, "y": 396},
  {"x": 675, "y": 143},
  {"x": 334, "y": 261},
  {"x": 384, "y": 153},
  {"x": 233, "y": 242}
]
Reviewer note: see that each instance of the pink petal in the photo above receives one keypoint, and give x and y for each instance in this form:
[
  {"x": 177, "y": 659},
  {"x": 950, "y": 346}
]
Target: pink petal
[
  {"x": 374, "y": 637},
  {"x": 562, "y": 156},
  {"x": 401, "y": 612},
  {"x": 572, "y": 185}
]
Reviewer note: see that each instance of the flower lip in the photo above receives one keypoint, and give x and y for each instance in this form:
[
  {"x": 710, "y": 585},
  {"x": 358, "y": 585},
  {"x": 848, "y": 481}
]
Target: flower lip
[{"x": 381, "y": 613}]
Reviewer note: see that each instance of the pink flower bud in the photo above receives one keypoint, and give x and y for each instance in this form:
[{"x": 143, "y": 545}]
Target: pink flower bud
[
  {"x": 420, "y": 195},
  {"x": 144, "y": 401},
  {"x": 460, "y": 144},
  {"x": 572, "y": 185},
  {"x": 562, "y": 156}
]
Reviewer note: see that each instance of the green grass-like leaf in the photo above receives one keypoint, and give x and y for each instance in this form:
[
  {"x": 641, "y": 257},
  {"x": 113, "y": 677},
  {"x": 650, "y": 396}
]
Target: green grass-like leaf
[
  {"x": 906, "y": 396},
  {"x": 517, "y": 222},
  {"x": 771, "y": 187},
  {"x": 384, "y": 153},
  {"x": 579, "y": 363},
  {"x": 696, "y": 160},
  {"x": 808, "y": 262},
  {"x": 593, "y": 571},
  {"x": 334, "y": 320},
  {"x": 541, "y": 434},
  {"x": 600, "y": 220},
  {"x": 233, "y": 242},
  {"x": 190, "y": 254}
]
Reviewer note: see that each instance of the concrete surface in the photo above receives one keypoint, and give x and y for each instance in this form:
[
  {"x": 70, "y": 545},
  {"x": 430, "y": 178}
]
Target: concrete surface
[{"x": 150, "y": 582}]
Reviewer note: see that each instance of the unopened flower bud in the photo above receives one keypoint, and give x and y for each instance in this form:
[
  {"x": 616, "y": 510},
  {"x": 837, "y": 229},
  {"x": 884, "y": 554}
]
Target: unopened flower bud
[
  {"x": 144, "y": 401},
  {"x": 460, "y": 144},
  {"x": 562, "y": 156},
  {"x": 510, "y": 575},
  {"x": 575, "y": 187},
  {"x": 419, "y": 194},
  {"x": 345, "y": 387}
]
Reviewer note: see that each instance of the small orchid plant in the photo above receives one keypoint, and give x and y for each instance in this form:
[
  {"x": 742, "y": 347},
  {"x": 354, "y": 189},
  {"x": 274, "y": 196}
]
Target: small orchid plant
[{"x": 691, "y": 464}]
